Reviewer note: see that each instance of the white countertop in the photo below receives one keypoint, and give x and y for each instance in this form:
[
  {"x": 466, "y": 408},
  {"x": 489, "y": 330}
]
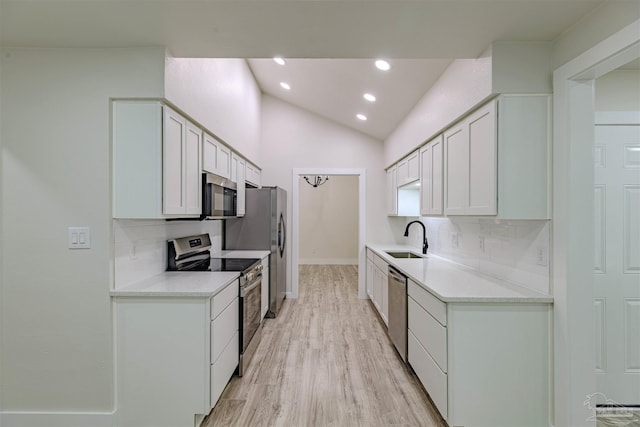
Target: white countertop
[
  {"x": 182, "y": 284},
  {"x": 452, "y": 282},
  {"x": 240, "y": 254}
]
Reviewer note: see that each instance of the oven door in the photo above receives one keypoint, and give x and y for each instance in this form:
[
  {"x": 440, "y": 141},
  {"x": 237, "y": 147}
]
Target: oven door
[{"x": 250, "y": 299}]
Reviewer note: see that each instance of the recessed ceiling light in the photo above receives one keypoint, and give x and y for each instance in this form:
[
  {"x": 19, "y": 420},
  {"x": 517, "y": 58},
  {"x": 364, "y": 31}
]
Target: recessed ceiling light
[
  {"x": 279, "y": 60},
  {"x": 383, "y": 65},
  {"x": 284, "y": 85},
  {"x": 361, "y": 116},
  {"x": 369, "y": 97}
]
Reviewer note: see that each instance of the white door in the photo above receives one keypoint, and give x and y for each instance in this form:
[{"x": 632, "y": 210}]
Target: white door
[{"x": 617, "y": 263}]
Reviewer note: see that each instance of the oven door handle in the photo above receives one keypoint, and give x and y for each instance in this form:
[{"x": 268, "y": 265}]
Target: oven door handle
[{"x": 246, "y": 289}]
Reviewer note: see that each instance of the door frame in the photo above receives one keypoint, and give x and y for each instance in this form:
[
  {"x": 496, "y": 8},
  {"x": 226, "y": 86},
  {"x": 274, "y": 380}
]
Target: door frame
[
  {"x": 362, "y": 215},
  {"x": 572, "y": 269}
]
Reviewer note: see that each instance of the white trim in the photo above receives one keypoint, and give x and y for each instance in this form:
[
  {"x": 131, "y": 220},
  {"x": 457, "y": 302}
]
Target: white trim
[
  {"x": 57, "y": 419},
  {"x": 617, "y": 117},
  {"x": 362, "y": 215},
  {"x": 572, "y": 236}
]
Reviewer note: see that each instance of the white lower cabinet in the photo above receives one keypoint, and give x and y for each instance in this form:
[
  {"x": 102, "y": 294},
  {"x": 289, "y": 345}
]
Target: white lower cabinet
[
  {"x": 174, "y": 356},
  {"x": 377, "y": 284},
  {"x": 483, "y": 364},
  {"x": 370, "y": 276},
  {"x": 224, "y": 340}
]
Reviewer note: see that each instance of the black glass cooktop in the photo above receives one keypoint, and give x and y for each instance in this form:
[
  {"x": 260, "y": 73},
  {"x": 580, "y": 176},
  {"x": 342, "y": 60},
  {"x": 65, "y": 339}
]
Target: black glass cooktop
[{"x": 232, "y": 264}]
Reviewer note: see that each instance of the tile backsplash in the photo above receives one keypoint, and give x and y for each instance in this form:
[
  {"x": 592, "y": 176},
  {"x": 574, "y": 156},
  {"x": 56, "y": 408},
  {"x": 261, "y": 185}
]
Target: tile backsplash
[
  {"x": 140, "y": 249},
  {"x": 516, "y": 251}
]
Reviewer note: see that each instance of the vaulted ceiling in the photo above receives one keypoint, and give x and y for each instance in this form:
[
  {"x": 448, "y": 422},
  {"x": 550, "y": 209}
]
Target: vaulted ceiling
[{"x": 329, "y": 44}]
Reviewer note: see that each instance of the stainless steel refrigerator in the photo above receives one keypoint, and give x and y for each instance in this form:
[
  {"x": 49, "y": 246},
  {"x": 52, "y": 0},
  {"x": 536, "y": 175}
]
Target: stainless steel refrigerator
[{"x": 264, "y": 227}]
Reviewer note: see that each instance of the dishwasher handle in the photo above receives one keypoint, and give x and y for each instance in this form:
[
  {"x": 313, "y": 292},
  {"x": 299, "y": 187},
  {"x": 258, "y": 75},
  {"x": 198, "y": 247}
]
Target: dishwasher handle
[{"x": 396, "y": 275}]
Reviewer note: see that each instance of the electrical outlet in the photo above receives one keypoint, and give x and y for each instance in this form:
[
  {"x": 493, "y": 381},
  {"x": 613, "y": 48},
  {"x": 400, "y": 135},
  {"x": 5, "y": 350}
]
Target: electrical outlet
[
  {"x": 132, "y": 251},
  {"x": 481, "y": 243},
  {"x": 454, "y": 240},
  {"x": 541, "y": 256}
]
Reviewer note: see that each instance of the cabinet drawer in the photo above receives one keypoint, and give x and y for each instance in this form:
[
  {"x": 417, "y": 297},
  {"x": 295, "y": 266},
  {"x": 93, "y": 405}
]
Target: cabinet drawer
[
  {"x": 223, "y": 369},
  {"x": 223, "y": 327},
  {"x": 433, "y": 305},
  {"x": 224, "y": 298},
  {"x": 381, "y": 264},
  {"x": 431, "y": 334},
  {"x": 431, "y": 377}
]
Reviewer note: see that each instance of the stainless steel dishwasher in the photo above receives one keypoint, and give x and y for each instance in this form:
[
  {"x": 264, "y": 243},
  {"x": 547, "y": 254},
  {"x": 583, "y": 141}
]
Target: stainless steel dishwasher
[{"x": 398, "y": 311}]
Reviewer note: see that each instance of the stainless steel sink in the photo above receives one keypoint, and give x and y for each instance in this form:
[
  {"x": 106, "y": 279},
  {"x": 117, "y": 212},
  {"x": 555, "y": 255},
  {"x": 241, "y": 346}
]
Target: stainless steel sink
[{"x": 403, "y": 254}]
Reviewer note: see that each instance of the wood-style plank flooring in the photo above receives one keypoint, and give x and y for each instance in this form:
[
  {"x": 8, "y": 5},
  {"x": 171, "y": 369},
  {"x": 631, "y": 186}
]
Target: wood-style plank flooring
[{"x": 325, "y": 361}]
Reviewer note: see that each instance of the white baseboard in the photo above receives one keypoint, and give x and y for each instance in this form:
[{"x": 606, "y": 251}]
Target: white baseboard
[
  {"x": 57, "y": 419},
  {"x": 325, "y": 261}
]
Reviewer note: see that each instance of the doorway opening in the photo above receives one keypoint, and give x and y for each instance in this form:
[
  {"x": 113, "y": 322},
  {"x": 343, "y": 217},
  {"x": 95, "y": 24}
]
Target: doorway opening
[
  {"x": 573, "y": 227},
  {"x": 296, "y": 224}
]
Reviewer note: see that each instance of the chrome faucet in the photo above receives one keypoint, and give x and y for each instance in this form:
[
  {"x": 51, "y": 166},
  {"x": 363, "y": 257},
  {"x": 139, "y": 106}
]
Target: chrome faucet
[{"x": 425, "y": 244}]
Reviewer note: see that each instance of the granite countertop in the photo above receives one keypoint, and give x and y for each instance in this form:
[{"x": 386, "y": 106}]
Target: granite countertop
[
  {"x": 240, "y": 254},
  {"x": 453, "y": 282},
  {"x": 182, "y": 284}
]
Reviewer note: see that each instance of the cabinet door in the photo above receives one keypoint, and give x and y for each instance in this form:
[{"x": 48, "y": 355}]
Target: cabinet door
[
  {"x": 192, "y": 180},
  {"x": 431, "y": 178},
  {"x": 456, "y": 159},
  {"x": 482, "y": 181},
  {"x": 370, "y": 278},
  {"x": 173, "y": 162},
  {"x": 413, "y": 167},
  {"x": 253, "y": 174},
  {"x": 392, "y": 192},
  {"x": 216, "y": 158},
  {"x": 240, "y": 181},
  {"x": 377, "y": 289}
]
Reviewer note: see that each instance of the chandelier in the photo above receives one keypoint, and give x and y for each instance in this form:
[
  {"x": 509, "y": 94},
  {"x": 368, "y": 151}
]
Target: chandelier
[{"x": 316, "y": 181}]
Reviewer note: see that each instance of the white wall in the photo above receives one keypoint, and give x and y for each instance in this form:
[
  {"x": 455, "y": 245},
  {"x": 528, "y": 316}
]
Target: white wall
[
  {"x": 329, "y": 221},
  {"x": 618, "y": 90},
  {"x": 220, "y": 94},
  {"x": 505, "y": 67},
  {"x": 464, "y": 84},
  {"x": 603, "y": 22},
  {"x": 294, "y": 138},
  {"x": 56, "y": 350}
]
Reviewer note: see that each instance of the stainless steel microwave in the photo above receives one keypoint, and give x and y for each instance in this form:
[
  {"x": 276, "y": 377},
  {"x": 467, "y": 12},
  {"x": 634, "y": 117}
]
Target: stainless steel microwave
[{"x": 219, "y": 197}]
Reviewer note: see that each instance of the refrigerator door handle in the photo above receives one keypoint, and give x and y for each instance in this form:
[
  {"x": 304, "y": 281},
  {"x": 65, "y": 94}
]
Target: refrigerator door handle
[{"x": 282, "y": 236}]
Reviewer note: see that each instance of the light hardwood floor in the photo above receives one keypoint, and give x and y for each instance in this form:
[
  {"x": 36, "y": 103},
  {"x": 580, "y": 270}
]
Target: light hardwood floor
[{"x": 325, "y": 361}]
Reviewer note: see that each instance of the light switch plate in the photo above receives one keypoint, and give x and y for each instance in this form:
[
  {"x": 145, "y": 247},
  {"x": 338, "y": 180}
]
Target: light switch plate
[{"x": 79, "y": 237}]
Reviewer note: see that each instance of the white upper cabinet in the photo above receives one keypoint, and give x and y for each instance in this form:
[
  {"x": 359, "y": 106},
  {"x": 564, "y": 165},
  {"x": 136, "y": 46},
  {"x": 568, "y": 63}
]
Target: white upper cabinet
[
  {"x": 408, "y": 169},
  {"x": 216, "y": 157},
  {"x": 253, "y": 174},
  {"x": 496, "y": 159},
  {"x": 156, "y": 162},
  {"x": 431, "y": 177},
  {"x": 470, "y": 158},
  {"x": 392, "y": 192},
  {"x": 238, "y": 171},
  {"x": 181, "y": 164}
]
